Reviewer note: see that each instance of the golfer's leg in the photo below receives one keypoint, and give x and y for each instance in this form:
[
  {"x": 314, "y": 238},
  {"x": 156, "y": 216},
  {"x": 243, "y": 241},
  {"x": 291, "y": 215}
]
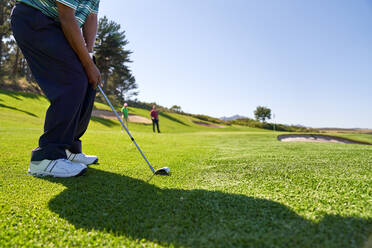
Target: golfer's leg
[
  {"x": 84, "y": 118},
  {"x": 59, "y": 74},
  {"x": 60, "y": 124},
  {"x": 153, "y": 125},
  {"x": 157, "y": 125}
]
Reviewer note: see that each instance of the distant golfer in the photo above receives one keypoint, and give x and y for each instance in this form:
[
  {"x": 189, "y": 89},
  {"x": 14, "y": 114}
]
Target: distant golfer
[
  {"x": 155, "y": 118},
  {"x": 56, "y": 38},
  {"x": 124, "y": 111}
]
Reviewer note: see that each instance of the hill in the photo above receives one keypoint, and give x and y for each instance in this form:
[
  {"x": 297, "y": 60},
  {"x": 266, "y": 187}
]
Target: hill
[
  {"x": 170, "y": 121},
  {"x": 31, "y": 108},
  {"x": 345, "y": 130}
]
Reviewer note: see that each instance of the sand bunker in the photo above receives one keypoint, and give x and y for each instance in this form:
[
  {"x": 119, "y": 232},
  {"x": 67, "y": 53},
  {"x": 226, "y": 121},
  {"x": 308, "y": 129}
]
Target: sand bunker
[
  {"x": 208, "y": 124},
  {"x": 317, "y": 138},
  {"x": 106, "y": 114}
]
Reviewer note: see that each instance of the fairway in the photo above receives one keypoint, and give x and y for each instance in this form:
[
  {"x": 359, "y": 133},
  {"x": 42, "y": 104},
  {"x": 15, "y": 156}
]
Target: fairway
[{"x": 229, "y": 187}]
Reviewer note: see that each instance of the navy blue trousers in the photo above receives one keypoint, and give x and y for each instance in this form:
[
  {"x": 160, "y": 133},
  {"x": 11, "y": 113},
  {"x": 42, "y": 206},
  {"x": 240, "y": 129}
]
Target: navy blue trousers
[
  {"x": 155, "y": 122},
  {"x": 60, "y": 74}
]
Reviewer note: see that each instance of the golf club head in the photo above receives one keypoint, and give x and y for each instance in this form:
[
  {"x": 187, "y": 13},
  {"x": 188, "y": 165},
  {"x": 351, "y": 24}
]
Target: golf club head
[{"x": 165, "y": 171}]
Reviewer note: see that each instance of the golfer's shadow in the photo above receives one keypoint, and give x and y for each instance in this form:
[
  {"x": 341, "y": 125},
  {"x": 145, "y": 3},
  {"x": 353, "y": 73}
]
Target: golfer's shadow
[{"x": 194, "y": 218}]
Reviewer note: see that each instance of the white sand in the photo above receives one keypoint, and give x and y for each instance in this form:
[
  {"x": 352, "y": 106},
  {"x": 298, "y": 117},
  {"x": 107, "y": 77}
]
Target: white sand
[
  {"x": 208, "y": 124},
  {"x": 315, "y": 138},
  {"x": 106, "y": 114}
]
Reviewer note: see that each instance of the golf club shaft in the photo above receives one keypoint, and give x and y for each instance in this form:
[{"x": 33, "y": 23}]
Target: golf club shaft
[{"x": 126, "y": 129}]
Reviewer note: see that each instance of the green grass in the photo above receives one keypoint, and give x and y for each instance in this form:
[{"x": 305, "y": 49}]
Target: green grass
[
  {"x": 356, "y": 136},
  {"x": 231, "y": 187}
]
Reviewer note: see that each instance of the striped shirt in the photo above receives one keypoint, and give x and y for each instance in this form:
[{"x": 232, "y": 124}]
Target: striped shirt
[{"x": 83, "y": 8}]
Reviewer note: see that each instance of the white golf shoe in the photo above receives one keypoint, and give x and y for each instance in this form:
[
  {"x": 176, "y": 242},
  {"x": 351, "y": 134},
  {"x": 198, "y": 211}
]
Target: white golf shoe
[
  {"x": 56, "y": 168},
  {"x": 81, "y": 158}
]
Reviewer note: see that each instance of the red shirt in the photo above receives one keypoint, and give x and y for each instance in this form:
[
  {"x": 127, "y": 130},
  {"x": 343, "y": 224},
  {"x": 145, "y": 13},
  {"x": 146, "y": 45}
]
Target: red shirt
[{"x": 154, "y": 114}]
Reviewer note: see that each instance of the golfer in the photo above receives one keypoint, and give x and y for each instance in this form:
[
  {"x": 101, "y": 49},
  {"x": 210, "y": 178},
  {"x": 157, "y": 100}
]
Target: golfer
[
  {"x": 124, "y": 111},
  {"x": 56, "y": 37},
  {"x": 155, "y": 118}
]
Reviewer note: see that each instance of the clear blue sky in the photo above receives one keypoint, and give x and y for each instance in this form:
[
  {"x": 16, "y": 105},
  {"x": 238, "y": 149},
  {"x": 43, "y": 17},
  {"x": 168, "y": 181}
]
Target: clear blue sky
[{"x": 309, "y": 61}]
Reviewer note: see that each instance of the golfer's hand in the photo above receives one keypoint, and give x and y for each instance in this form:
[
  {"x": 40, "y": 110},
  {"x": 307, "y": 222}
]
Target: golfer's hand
[{"x": 94, "y": 75}]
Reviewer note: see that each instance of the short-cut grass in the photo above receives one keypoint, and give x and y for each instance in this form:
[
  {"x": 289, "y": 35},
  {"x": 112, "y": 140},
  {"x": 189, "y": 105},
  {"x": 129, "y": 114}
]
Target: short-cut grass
[{"x": 231, "y": 187}]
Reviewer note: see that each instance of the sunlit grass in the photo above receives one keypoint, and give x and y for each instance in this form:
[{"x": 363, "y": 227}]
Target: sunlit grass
[{"x": 228, "y": 188}]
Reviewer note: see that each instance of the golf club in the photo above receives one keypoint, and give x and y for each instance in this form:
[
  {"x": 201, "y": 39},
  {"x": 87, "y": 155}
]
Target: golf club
[{"x": 165, "y": 171}]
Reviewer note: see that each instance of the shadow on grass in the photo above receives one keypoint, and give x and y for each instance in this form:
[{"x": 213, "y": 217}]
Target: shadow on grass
[
  {"x": 16, "y": 95},
  {"x": 106, "y": 122},
  {"x": 16, "y": 109},
  {"x": 194, "y": 218},
  {"x": 172, "y": 118}
]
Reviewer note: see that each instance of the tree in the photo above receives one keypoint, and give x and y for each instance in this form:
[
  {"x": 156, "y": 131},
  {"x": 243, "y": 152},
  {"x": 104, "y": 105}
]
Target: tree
[
  {"x": 12, "y": 62},
  {"x": 262, "y": 113},
  {"x": 112, "y": 59},
  {"x": 176, "y": 108},
  {"x": 5, "y": 9},
  {"x": 126, "y": 84}
]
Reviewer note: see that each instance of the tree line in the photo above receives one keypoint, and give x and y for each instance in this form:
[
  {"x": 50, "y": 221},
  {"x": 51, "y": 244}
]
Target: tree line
[{"x": 110, "y": 50}]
